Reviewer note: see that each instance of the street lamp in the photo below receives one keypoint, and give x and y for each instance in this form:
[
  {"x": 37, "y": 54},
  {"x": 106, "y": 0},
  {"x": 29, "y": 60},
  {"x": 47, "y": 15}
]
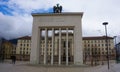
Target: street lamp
[
  {"x": 116, "y": 49},
  {"x": 106, "y": 23}
]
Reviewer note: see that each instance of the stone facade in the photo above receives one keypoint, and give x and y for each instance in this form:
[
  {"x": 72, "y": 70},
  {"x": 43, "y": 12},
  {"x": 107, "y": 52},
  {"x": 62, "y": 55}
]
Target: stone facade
[
  {"x": 23, "y": 48},
  {"x": 56, "y": 22},
  {"x": 95, "y": 51}
]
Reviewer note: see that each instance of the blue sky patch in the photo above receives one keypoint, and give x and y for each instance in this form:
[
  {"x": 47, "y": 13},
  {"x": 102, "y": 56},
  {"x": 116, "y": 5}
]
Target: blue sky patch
[
  {"x": 4, "y": 0},
  {"x": 50, "y": 10},
  {"x": 6, "y": 10}
]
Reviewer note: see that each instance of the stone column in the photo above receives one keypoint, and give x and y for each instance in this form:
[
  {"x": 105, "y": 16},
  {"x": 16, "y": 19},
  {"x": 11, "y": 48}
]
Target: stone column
[
  {"x": 59, "y": 46},
  {"x": 39, "y": 45},
  {"x": 45, "y": 49},
  {"x": 78, "y": 52},
  {"x": 35, "y": 48},
  {"x": 66, "y": 46},
  {"x": 52, "y": 46}
]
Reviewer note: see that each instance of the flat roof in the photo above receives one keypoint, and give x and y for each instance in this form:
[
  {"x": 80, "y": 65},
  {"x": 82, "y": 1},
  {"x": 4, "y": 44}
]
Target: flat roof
[
  {"x": 52, "y": 14},
  {"x": 97, "y": 38}
]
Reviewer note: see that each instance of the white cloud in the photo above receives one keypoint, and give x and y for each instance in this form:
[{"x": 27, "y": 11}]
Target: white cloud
[
  {"x": 15, "y": 26},
  {"x": 95, "y": 13},
  {"x": 30, "y": 5}
]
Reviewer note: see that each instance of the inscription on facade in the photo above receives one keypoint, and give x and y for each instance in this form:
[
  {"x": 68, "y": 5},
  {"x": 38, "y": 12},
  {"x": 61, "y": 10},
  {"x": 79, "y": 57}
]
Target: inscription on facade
[{"x": 51, "y": 20}]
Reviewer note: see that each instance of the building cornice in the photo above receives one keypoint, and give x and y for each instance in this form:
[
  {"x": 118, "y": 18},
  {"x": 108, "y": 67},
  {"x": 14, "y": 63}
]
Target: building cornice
[
  {"x": 58, "y": 14},
  {"x": 97, "y": 38}
]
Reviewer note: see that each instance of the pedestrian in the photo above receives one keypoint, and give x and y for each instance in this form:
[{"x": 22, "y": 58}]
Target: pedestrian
[{"x": 13, "y": 58}]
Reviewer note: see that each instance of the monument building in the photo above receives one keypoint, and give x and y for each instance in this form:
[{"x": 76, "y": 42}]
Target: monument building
[{"x": 48, "y": 25}]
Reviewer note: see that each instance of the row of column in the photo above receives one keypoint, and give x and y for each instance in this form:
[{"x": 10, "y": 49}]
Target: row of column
[{"x": 52, "y": 55}]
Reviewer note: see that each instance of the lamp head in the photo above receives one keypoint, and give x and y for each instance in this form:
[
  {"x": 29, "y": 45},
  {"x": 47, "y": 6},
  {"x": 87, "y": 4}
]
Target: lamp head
[{"x": 105, "y": 23}]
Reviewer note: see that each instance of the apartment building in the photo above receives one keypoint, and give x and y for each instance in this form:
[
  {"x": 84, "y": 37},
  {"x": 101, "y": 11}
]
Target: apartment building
[
  {"x": 95, "y": 50},
  {"x": 1, "y": 49},
  {"x": 23, "y": 48},
  {"x": 117, "y": 46},
  {"x": 8, "y": 49}
]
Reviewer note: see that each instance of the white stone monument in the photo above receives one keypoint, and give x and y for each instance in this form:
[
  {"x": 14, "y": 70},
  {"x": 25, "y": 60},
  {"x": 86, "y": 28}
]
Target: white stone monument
[{"x": 56, "y": 21}]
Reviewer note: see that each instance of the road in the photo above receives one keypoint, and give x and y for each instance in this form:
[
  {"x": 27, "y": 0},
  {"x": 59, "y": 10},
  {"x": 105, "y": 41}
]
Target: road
[{"x": 25, "y": 67}]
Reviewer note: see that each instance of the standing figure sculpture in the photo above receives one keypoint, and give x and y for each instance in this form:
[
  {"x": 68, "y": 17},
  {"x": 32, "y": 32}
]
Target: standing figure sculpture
[{"x": 57, "y": 9}]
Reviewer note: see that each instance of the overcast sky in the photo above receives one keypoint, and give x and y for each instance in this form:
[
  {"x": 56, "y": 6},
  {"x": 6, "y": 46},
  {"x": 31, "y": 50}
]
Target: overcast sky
[{"x": 16, "y": 19}]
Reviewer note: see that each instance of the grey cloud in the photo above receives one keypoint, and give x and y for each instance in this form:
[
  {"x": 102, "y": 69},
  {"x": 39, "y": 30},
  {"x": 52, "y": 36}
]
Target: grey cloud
[
  {"x": 95, "y": 13},
  {"x": 15, "y": 26}
]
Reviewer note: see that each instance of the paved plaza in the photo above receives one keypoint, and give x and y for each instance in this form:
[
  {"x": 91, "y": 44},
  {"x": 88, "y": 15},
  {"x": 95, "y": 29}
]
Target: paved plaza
[{"x": 26, "y": 67}]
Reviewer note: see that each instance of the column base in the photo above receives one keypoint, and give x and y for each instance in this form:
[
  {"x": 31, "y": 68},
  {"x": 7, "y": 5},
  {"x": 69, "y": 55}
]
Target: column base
[{"x": 78, "y": 63}]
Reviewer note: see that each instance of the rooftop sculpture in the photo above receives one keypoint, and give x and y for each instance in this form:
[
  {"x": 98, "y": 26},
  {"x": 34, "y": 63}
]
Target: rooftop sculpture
[{"x": 57, "y": 9}]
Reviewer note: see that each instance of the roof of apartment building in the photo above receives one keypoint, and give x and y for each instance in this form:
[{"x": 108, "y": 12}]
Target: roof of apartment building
[
  {"x": 13, "y": 41},
  {"x": 97, "y": 38},
  {"x": 84, "y": 38},
  {"x": 25, "y": 38}
]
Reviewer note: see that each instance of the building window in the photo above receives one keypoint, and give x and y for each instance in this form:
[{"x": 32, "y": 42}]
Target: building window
[
  {"x": 91, "y": 41},
  {"x": 14, "y": 52},
  {"x": 98, "y": 41},
  {"x": 110, "y": 53},
  {"x": 69, "y": 44},
  {"x": 106, "y": 52},
  {"x": 50, "y": 45},
  {"x": 88, "y": 49},
  {"x": 27, "y": 44},
  {"x": 64, "y": 44},
  {"x": 20, "y": 52},
  {"x": 101, "y": 40},
  {"x": 95, "y": 52},
  {"x": 102, "y": 44},
  {"x": 106, "y": 48},
  {"x": 98, "y": 44},
  {"x": 23, "y": 40},
  {"x": 99, "y": 52},
  {"x": 84, "y": 41},
  {"x": 102, "y": 52},
  {"x": 95, "y": 41},
  {"x": 92, "y": 45},
  {"x": 88, "y": 45},
  {"x": 95, "y": 45},
  {"x": 102, "y": 48}
]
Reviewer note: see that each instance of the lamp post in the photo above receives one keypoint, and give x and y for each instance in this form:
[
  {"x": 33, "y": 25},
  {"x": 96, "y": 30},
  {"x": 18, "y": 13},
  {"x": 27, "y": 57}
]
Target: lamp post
[
  {"x": 116, "y": 49},
  {"x": 106, "y": 23}
]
